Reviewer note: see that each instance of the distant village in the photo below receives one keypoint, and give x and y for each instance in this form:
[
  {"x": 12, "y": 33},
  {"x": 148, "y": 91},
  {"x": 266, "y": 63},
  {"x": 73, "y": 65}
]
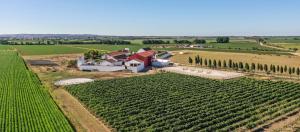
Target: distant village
[{"x": 141, "y": 61}]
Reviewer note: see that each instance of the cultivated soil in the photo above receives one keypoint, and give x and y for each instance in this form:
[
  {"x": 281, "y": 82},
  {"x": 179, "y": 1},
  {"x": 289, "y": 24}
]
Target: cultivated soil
[{"x": 79, "y": 116}]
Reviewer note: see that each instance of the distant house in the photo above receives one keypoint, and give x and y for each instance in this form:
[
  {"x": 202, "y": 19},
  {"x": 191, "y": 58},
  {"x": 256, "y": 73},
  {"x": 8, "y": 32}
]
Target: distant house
[
  {"x": 146, "y": 57},
  {"x": 143, "y": 50}
]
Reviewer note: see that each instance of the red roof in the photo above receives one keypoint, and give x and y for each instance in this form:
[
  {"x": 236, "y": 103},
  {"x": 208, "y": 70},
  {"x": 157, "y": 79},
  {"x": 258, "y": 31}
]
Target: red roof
[
  {"x": 147, "y": 53},
  {"x": 138, "y": 60},
  {"x": 117, "y": 53}
]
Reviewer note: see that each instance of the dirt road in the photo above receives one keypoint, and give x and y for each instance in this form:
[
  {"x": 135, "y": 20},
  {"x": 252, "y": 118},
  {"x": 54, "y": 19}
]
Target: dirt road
[{"x": 82, "y": 119}]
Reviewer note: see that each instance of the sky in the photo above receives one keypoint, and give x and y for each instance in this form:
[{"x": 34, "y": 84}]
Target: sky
[{"x": 152, "y": 17}]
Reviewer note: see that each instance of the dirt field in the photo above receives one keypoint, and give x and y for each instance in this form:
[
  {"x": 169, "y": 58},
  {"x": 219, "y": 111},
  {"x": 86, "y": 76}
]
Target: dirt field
[
  {"x": 238, "y": 57},
  {"x": 201, "y": 72}
]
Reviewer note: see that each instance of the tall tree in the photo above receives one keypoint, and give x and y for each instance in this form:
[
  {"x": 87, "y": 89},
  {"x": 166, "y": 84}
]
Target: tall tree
[
  {"x": 281, "y": 70},
  {"x": 298, "y": 71},
  {"x": 190, "y": 60},
  {"x": 285, "y": 68},
  {"x": 266, "y": 68},
  {"x": 222, "y": 39},
  {"x": 241, "y": 66},
  {"x": 293, "y": 70},
  {"x": 196, "y": 60},
  {"x": 290, "y": 71},
  {"x": 253, "y": 67},
  {"x": 274, "y": 69},
  {"x": 214, "y": 63},
  {"x": 224, "y": 64},
  {"x": 219, "y": 64},
  {"x": 200, "y": 61},
  {"x": 199, "y": 41},
  {"x": 230, "y": 63}
]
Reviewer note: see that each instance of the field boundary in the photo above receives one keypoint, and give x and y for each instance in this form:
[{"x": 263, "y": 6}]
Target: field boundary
[
  {"x": 100, "y": 126},
  {"x": 282, "y": 121}
]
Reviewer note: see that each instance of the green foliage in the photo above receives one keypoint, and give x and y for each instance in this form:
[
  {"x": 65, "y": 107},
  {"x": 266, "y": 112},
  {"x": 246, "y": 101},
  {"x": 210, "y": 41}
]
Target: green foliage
[
  {"x": 224, "y": 64},
  {"x": 253, "y": 68},
  {"x": 47, "y": 49},
  {"x": 173, "y": 102},
  {"x": 182, "y": 42},
  {"x": 93, "y": 54},
  {"x": 222, "y": 39},
  {"x": 155, "y": 42},
  {"x": 199, "y": 41},
  {"x": 69, "y": 42},
  {"x": 190, "y": 60},
  {"x": 24, "y": 103},
  {"x": 72, "y": 63},
  {"x": 219, "y": 63}
]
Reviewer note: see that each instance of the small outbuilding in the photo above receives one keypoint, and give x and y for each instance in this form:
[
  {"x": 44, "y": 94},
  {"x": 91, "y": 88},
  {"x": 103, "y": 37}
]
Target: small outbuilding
[
  {"x": 160, "y": 63},
  {"x": 135, "y": 65},
  {"x": 143, "y": 50}
]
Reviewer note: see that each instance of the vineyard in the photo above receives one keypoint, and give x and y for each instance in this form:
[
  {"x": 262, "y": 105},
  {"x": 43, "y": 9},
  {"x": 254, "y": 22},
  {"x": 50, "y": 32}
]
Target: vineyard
[
  {"x": 25, "y": 106},
  {"x": 174, "y": 102}
]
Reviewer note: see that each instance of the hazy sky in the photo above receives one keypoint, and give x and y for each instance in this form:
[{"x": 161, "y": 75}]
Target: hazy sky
[{"x": 151, "y": 17}]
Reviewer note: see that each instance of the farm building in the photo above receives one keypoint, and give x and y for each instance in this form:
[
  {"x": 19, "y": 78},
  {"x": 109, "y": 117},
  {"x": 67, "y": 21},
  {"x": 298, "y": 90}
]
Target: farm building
[
  {"x": 135, "y": 65},
  {"x": 163, "y": 55},
  {"x": 160, "y": 63},
  {"x": 123, "y": 60},
  {"x": 143, "y": 50},
  {"x": 146, "y": 57}
]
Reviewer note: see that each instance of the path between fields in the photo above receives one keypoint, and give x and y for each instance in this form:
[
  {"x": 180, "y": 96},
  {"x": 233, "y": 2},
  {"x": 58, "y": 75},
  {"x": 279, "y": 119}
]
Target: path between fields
[
  {"x": 282, "y": 123},
  {"x": 294, "y": 53},
  {"x": 78, "y": 112}
]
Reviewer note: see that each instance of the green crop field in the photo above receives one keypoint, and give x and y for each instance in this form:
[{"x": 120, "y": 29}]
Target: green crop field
[
  {"x": 284, "y": 40},
  {"x": 25, "y": 106},
  {"x": 111, "y": 47},
  {"x": 5, "y": 47},
  {"x": 243, "y": 45},
  {"x": 173, "y": 102},
  {"x": 48, "y": 49}
]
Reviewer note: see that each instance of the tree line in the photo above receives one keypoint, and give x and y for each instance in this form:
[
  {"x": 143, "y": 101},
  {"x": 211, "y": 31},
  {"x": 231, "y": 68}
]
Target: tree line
[
  {"x": 57, "y": 42},
  {"x": 155, "y": 42},
  {"x": 241, "y": 66},
  {"x": 196, "y": 41}
]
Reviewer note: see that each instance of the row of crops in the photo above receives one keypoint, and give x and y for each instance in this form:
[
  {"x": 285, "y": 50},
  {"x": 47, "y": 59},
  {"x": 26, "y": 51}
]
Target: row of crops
[
  {"x": 25, "y": 106},
  {"x": 173, "y": 102}
]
